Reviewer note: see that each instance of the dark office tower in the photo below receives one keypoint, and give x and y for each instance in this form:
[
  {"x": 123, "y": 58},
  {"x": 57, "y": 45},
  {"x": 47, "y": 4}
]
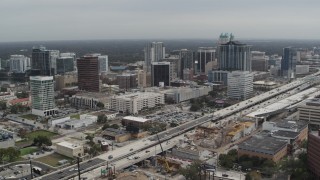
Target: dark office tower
[
  {"x": 160, "y": 74},
  {"x": 205, "y": 59},
  {"x": 127, "y": 81},
  {"x": 153, "y": 52},
  {"x": 43, "y": 61},
  {"x": 88, "y": 73},
  {"x": 186, "y": 60},
  {"x": 65, "y": 64},
  {"x": 288, "y": 62},
  {"x": 234, "y": 56}
]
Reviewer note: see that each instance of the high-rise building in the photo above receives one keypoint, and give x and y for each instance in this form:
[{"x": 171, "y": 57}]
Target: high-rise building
[
  {"x": 313, "y": 154},
  {"x": 233, "y": 56},
  {"x": 186, "y": 60},
  {"x": 160, "y": 73},
  {"x": 259, "y": 61},
  {"x": 65, "y": 64},
  {"x": 42, "y": 95},
  {"x": 70, "y": 55},
  {"x": 43, "y": 61},
  {"x": 205, "y": 59},
  {"x": 88, "y": 73},
  {"x": 240, "y": 85},
  {"x": 174, "y": 64},
  {"x": 288, "y": 62},
  {"x": 127, "y": 81},
  {"x": 103, "y": 64},
  {"x": 224, "y": 38},
  {"x": 142, "y": 78},
  {"x": 153, "y": 52},
  {"x": 19, "y": 63}
]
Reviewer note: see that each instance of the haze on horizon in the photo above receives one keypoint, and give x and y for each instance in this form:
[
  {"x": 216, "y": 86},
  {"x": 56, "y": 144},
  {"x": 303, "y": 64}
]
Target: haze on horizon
[{"x": 38, "y": 20}]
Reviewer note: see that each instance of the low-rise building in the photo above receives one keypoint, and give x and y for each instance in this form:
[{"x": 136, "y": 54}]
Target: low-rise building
[
  {"x": 7, "y": 96},
  {"x": 310, "y": 111},
  {"x": 22, "y": 101},
  {"x": 137, "y": 122},
  {"x": 186, "y": 93},
  {"x": 263, "y": 147},
  {"x": 6, "y": 139},
  {"x": 263, "y": 85},
  {"x": 135, "y": 102},
  {"x": 89, "y": 100},
  {"x": 292, "y": 131},
  {"x": 117, "y": 135},
  {"x": 69, "y": 150},
  {"x": 84, "y": 121}
]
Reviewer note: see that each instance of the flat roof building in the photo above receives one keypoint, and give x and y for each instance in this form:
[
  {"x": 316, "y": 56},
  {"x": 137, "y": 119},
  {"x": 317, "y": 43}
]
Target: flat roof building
[
  {"x": 69, "y": 150},
  {"x": 264, "y": 147},
  {"x": 135, "y": 121},
  {"x": 310, "y": 111},
  {"x": 135, "y": 102}
]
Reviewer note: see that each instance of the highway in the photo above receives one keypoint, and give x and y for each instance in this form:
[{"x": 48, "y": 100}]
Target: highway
[{"x": 139, "y": 147}]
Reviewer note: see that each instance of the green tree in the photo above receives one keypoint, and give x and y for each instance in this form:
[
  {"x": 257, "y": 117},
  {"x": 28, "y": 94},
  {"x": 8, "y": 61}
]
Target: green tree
[
  {"x": 100, "y": 105},
  {"x": 191, "y": 172},
  {"x": 14, "y": 109},
  {"x": 213, "y": 93},
  {"x": 195, "y": 107},
  {"x": 105, "y": 126},
  {"x": 115, "y": 126},
  {"x": 42, "y": 141},
  {"x": 173, "y": 124},
  {"x": 94, "y": 149},
  {"x": 12, "y": 154},
  {"x": 22, "y": 94},
  {"x": 102, "y": 119},
  {"x": 3, "y": 105}
]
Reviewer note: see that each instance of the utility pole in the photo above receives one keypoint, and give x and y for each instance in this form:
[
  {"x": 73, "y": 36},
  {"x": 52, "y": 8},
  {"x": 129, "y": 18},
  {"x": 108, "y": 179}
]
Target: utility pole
[
  {"x": 31, "y": 170},
  {"x": 78, "y": 158}
]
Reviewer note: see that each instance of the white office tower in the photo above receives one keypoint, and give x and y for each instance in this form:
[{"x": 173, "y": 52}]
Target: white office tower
[
  {"x": 240, "y": 85},
  {"x": 103, "y": 63},
  {"x": 19, "y": 63},
  {"x": 42, "y": 95},
  {"x": 153, "y": 52}
]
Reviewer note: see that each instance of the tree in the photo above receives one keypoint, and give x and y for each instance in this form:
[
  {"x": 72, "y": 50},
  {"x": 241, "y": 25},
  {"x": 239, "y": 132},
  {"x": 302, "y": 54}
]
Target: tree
[
  {"x": 100, "y": 105},
  {"x": 3, "y": 105},
  {"x": 22, "y": 94},
  {"x": 14, "y": 109},
  {"x": 191, "y": 172},
  {"x": 173, "y": 124},
  {"x": 213, "y": 93},
  {"x": 12, "y": 154},
  {"x": 105, "y": 126},
  {"x": 195, "y": 107},
  {"x": 94, "y": 149},
  {"x": 115, "y": 126},
  {"x": 42, "y": 140},
  {"x": 102, "y": 119},
  {"x": 22, "y": 132},
  {"x": 90, "y": 138}
]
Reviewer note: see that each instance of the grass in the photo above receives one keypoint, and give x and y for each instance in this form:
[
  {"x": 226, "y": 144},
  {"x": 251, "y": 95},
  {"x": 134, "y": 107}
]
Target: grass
[
  {"x": 53, "y": 159},
  {"x": 28, "y": 150},
  {"x": 29, "y": 116},
  {"x": 34, "y": 134},
  {"x": 75, "y": 116}
]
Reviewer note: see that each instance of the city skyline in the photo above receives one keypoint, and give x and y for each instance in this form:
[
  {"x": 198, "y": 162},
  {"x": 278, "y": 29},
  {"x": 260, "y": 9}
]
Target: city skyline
[{"x": 36, "y": 20}]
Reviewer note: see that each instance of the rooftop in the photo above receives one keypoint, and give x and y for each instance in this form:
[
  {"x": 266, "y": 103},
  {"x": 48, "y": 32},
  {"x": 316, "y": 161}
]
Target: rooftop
[
  {"x": 313, "y": 102},
  {"x": 263, "y": 144},
  {"x": 95, "y": 95},
  {"x": 68, "y": 145},
  {"x": 113, "y": 132},
  {"x": 285, "y": 134},
  {"x": 137, "y": 119},
  {"x": 15, "y": 101}
]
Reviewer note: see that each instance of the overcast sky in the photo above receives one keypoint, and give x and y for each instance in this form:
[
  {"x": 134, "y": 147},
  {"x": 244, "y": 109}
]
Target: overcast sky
[{"x": 33, "y": 20}]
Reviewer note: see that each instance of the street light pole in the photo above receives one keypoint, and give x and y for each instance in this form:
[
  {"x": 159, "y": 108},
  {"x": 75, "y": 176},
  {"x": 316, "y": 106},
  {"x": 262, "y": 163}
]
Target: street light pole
[{"x": 31, "y": 169}]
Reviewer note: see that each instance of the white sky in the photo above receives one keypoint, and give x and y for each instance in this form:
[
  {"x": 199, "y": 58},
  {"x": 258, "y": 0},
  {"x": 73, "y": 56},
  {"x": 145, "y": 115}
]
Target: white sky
[{"x": 33, "y": 20}]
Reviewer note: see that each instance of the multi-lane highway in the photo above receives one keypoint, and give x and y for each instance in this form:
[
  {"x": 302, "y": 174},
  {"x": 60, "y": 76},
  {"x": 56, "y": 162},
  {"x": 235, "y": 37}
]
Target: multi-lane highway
[{"x": 120, "y": 155}]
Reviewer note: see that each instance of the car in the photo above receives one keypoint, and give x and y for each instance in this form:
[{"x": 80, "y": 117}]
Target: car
[
  {"x": 71, "y": 169},
  {"x": 136, "y": 157},
  {"x": 147, "y": 151},
  {"x": 129, "y": 158},
  {"x": 225, "y": 175},
  {"x": 110, "y": 157},
  {"x": 131, "y": 149}
]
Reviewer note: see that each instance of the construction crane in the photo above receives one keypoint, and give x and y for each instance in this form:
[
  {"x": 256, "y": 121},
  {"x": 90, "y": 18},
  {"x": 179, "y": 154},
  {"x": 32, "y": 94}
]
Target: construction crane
[{"x": 163, "y": 159}]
